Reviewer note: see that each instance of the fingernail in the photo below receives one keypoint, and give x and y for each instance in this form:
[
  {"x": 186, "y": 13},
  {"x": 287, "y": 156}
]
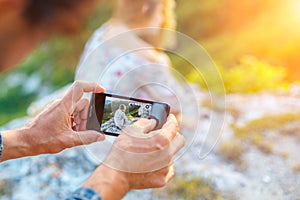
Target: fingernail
[
  {"x": 101, "y": 137},
  {"x": 100, "y": 88}
]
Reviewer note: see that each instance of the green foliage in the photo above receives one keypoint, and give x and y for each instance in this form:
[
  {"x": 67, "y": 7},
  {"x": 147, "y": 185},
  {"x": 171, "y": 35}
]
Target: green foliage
[
  {"x": 249, "y": 76},
  {"x": 208, "y": 80},
  {"x": 190, "y": 187},
  {"x": 106, "y": 117},
  {"x": 12, "y": 106},
  {"x": 180, "y": 65},
  {"x": 46, "y": 62},
  {"x": 252, "y": 75}
]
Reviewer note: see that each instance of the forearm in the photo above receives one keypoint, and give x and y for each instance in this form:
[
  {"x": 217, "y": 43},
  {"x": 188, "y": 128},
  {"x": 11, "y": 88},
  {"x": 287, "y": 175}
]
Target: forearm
[
  {"x": 112, "y": 185},
  {"x": 15, "y": 144}
]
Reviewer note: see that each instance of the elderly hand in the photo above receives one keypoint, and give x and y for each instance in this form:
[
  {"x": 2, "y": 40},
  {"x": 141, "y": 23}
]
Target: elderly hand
[
  {"x": 51, "y": 131},
  {"x": 140, "y": 158}
]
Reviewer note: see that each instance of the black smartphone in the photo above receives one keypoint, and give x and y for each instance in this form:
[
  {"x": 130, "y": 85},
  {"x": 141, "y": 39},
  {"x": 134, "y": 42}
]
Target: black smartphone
[{"x": 109, "y": 113}]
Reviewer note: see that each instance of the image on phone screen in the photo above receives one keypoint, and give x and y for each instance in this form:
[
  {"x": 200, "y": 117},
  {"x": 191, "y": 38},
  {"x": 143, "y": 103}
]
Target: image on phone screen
[{"x": 110, "y": 114}]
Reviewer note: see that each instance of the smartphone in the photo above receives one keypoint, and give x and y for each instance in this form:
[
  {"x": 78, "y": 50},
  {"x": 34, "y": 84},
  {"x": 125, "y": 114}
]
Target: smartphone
[{"x": 110, "y": 113}]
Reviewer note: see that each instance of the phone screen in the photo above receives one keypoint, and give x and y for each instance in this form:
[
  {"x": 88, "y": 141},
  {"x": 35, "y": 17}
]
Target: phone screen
[{"x": 110, "y": 113}]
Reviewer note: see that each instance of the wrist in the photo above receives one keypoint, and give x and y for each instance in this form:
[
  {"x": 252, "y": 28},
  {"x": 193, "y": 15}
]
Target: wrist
[
  {"x": 109, "y": 183},
  {"x": 15, "y": 144}
]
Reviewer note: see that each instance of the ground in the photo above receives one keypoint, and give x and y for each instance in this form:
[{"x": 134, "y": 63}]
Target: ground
[{"x": 256, "y": 157}]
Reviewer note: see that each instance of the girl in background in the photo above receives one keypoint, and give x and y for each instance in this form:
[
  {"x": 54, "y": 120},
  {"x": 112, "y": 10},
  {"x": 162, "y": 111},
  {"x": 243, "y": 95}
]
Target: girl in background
[{"x": 124, "y": 55}]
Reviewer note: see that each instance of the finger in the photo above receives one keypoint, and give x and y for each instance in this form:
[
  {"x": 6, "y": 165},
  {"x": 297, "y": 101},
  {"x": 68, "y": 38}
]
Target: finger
[
  {"x": 76, "y": 91},
  {"x": 147, "y": 125},
  {"x": 85, "y": 110},
  {"x": 170, "y": 128},
  {"x": 171, "y": 121},
  {"x": 177, "y": 144},
  {"x": 139, "y": 128},
  {"x": 87, "y": 137},
  {"x": 170, "y": 174},
  {"x": 81, "y": 104},
  {"x": 161, "y": 177},
  {"x": 164, "y": 155},
  {"x": 167, "y": 132},
  {"x": 82, "y": 125},
  {"x": 81, "y": 110},
  {"x": 77, "y": 119},
  {"x": 52, "y": 104}
]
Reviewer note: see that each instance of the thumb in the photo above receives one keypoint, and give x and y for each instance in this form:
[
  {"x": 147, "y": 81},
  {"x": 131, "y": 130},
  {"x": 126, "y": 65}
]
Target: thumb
[
  {"x": 146, "y": 124},
  {"x": 88, "y": 137}
]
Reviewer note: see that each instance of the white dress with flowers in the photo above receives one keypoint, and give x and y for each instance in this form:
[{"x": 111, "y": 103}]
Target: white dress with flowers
[{"x": 126, "y": 73}]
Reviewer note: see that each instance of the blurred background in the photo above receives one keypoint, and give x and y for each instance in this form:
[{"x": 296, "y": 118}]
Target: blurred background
[{"x": 255, "y": 45}]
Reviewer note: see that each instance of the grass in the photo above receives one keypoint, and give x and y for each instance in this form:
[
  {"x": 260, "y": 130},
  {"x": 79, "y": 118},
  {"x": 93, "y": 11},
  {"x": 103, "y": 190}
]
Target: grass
[
  {"x": 256, "y": 131},
  {"x": 190, "y": 187},
  {"x": 5, "y": 188},
  {"x": 232, "y": 151},
  {"x": 274, "y": 122},
  {"x": 296, "y": 168},
  {"x": 217, "y": 106}
]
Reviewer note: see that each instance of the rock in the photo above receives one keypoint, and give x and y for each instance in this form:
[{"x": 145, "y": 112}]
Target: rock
[
  {"x": 266, "y": 176},
  {"x": 266, "y": 179}
]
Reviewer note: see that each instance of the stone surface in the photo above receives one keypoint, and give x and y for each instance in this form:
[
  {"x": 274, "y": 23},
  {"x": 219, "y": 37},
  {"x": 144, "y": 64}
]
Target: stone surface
[{"x": 266, "y": 176}]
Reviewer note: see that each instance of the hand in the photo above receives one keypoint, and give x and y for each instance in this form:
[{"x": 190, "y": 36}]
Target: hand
[
  {"x": 51, "y": 131},
  {"x": 140, "y": 158}
]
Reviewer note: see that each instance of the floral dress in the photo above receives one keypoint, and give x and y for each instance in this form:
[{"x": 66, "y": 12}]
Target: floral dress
[{"x": 126, "y": 73}]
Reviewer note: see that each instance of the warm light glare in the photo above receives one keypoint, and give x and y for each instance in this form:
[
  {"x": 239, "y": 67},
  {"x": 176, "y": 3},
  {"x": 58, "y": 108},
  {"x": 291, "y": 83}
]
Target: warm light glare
[
  {"x": 297, "y": 6},
  {"x": 291, "y": 12}
]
